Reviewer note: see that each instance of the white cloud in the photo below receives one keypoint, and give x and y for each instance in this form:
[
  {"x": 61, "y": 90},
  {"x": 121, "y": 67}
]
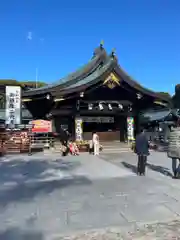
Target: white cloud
[{"x": 29, "y": 36}]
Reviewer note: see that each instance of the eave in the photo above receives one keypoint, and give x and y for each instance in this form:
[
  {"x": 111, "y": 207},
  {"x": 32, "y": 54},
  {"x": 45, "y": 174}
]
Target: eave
[{"x": 134, "y": 84}]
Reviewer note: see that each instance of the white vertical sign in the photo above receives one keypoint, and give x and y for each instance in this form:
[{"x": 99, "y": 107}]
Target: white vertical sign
[
  {"x": 130, "y": 128},
  {"x": 13, "y": 105},
  {"x": 79, "y": 129}
]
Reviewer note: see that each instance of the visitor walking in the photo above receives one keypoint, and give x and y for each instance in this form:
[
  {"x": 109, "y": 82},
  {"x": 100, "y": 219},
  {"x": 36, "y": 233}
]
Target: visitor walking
[
  {"x": 142, "y": 150},
  {"x": 95, "y": 140},
  {"x": 174, "y": 149},
  {"x": 64, "y": 136}
]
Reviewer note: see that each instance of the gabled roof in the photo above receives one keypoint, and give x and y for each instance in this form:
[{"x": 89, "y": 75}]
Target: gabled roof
[
  {"x": 93, "y": 72},
  {"x": 96, "y": 61}
]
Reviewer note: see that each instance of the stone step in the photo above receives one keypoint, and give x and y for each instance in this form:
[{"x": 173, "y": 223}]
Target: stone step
[
  {"x": 115, "y": 149},
  {"x": 114, "y": 146}
]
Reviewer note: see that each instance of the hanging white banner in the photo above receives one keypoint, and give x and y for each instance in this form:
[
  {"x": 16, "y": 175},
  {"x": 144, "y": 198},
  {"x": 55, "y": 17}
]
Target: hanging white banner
[
  {"x": 130, "y": 128},
  {"x": 79, "y": 129},
  {"x": 13, "y": 105}
]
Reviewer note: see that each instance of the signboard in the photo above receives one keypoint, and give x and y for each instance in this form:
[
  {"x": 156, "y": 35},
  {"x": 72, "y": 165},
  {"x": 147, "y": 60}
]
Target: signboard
[
  {"x": 13, "y": 105},
  {"x": 79, "y": 129},
  {"x": 41, "y": 126},
  {"x": 98, "y": 119},
  {"x": 18, "y": 127},
  {"x": 24, "y": 126},
  {"x": 130, "y": 128}
]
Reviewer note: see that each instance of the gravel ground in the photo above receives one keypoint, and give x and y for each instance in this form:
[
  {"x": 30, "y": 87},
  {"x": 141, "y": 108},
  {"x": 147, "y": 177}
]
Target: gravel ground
[{"x": 158, "y": 231}]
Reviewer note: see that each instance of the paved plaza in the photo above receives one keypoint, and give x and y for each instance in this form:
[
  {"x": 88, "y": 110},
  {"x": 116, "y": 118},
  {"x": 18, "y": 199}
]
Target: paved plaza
[{"x": 45, "y": 196}]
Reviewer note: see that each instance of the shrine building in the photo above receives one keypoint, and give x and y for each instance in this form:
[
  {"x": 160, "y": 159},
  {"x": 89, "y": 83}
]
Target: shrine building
[{"x": 99, "y": 97}]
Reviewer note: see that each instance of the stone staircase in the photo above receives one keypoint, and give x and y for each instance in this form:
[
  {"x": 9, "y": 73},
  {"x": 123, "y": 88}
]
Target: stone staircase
[
  {"x": 108, "y": 147},
  {"x": 115, "y": 147}
]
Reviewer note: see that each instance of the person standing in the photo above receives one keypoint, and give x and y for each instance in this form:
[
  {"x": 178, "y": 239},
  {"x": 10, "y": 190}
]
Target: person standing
[
  {"x": 142, "y": 150},
  {"x": 174, "y": 149},
  {"x": 64, "y": 140},
  {"x": 96, "y": 143}
]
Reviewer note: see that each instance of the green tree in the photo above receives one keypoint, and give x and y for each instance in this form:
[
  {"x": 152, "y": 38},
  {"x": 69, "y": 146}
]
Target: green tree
[{"x": 30, "y": 84}]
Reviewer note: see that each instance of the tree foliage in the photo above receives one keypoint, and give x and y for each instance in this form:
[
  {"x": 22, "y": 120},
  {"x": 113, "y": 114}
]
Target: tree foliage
[
  {"x": 12, "y": 82},
  {"x": 23, "y": 84}
]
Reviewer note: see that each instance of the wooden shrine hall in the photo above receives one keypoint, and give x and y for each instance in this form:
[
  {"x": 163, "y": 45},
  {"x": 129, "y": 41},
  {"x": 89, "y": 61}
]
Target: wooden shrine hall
[{"x": 99, "y": 97}]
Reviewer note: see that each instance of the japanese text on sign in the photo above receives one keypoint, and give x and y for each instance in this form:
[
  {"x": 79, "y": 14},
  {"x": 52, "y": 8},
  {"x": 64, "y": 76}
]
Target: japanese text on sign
[{"x": 13, "y": 105}]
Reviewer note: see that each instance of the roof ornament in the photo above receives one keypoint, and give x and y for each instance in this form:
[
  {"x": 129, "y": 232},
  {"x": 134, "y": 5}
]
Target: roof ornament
[
  {"x": 113, "y": 53},
  {"x": 101, "y": 44}
]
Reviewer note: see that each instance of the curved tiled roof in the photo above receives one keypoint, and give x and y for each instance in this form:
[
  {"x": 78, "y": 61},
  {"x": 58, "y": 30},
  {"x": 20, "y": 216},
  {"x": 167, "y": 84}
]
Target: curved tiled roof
[
  {"x": 91, "y": 73},
  {"x": 98, "y": 58},
  {"x": 90, "y": 79},
  {"x": 156, "y": 115}
]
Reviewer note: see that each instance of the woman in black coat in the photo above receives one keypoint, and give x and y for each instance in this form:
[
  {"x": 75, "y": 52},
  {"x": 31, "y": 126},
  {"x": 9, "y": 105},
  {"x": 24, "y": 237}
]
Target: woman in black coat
[
  {"x": 64, "y": 137},
  {"x": 142, "y": 150}
]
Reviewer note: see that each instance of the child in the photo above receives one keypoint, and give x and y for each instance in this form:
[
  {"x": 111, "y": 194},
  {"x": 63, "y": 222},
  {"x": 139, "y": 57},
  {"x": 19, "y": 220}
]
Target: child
[
  {"x": 71, "y": 148},
  {"x": 76, "y": 150}
]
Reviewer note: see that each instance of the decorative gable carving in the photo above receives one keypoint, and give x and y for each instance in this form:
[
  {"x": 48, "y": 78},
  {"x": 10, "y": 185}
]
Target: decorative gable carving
[{"x": 112, "y": 81}]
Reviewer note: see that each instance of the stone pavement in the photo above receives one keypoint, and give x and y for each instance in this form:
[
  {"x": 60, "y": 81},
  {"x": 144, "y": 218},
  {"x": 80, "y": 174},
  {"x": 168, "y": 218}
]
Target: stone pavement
[
  {"x": 158, "y": 231},
  {"x": 42, "y": 197}
]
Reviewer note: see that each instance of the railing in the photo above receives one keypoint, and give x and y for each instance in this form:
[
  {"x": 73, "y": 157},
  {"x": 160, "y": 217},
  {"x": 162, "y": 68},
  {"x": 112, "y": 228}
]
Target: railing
[{"x": 38, "y": 142}]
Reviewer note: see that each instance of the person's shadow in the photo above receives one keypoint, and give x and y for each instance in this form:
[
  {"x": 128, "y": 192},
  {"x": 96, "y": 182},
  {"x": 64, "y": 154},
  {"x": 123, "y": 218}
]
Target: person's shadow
[
  {"x": 132, "y": 167},
  {"x": 163, "y": 170}
]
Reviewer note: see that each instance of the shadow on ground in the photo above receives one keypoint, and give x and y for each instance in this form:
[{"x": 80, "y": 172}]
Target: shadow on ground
[
  {"x": 163, "y": 170},
  {"x": 24, "y": 180},
  {"x": 19, "y": 171},
  {"x": 18, "y": 234},
  {"x": 132, "y": 167}
]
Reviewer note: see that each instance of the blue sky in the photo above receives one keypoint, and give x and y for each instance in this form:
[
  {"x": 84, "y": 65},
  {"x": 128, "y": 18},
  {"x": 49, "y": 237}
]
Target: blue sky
[{"x": 63, "y": 35}]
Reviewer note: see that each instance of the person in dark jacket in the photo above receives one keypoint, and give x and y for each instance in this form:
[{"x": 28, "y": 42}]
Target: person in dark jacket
[
  {"x": 142, "y": 150},
  {"x": 64, "y": 136}
]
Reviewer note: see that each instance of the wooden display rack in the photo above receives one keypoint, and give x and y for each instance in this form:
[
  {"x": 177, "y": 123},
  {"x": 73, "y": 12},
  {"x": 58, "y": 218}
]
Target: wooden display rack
[{"x": 15, "y": 140}]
